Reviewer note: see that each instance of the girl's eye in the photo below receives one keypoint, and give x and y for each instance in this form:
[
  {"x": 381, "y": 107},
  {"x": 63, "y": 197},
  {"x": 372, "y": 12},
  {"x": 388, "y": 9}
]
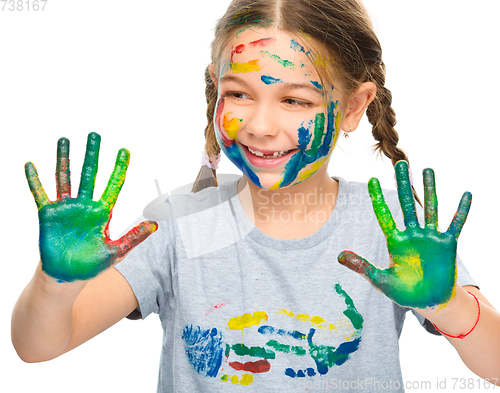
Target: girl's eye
[
  {"x": 292, "y": 102},
  {"x": 236, "y": 94}
]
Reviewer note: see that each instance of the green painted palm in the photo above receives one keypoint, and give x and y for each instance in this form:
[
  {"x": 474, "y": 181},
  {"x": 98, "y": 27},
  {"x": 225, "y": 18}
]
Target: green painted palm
[
  {"x": 74, "y": 236},
  {"x": 422, "y": 272}
]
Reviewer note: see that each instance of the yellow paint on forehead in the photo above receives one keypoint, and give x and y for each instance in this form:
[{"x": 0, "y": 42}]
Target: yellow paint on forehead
[
  {"x": 321, "y": 62},
  {"x": 252, "y": 65}
]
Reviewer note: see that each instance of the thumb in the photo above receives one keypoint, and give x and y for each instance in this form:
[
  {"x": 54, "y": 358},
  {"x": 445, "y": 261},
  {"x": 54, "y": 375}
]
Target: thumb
[
  {"x": 133, "y": 238},
  {"x": 360, "y": 265}
]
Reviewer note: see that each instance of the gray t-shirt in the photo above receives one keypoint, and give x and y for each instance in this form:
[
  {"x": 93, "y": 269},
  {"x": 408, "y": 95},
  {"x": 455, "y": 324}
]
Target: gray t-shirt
[{"x": 239, "y": 307}]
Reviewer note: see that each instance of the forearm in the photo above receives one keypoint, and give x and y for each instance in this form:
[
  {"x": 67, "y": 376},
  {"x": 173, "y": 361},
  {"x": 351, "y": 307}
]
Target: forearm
[
  {"x": 42, "y": 320},
  {"x": 480, "y": 350}
]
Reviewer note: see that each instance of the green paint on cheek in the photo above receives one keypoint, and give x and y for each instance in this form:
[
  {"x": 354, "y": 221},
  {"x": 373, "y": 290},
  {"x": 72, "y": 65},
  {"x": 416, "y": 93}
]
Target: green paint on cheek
[{"x": 319, "y": 131}]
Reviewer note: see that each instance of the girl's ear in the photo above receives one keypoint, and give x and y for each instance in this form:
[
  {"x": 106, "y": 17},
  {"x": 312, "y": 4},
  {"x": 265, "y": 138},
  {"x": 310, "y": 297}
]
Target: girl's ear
[
  {"x": 211, "y": 70},
  {"x": 357, "y": 104}
]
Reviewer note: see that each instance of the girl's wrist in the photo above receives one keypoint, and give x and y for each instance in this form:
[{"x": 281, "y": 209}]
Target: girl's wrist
[
  {"x": 458, "y": 317},
  {"x": 64, "y": 292}
]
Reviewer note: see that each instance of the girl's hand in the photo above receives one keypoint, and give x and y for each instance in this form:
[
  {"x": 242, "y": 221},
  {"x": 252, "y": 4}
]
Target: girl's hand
[
  {"x": 422, "y": 272},
  {"x": 74, "y": 235}
]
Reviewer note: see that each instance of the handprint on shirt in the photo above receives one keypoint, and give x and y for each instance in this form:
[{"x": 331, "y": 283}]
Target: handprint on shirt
[
  {"x": 74, "y": 232},
  {"x": 318, "y": 344},
  {"x": 422, "y": 272}
]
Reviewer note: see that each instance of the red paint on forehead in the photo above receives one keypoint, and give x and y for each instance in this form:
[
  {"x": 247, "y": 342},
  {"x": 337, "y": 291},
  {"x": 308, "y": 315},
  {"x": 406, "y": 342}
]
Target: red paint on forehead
[
  {"x": 238, "y": 49},
  {"x": 263, "y": 42},
  {"x": 259, "y": 43}
]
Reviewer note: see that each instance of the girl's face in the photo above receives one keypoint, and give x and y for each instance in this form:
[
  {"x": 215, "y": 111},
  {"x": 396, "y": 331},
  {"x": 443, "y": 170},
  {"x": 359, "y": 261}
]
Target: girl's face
[{"x": 274, "y": 119}]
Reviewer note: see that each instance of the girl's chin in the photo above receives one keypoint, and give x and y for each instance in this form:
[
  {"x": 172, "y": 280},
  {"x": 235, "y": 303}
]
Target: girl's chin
[{"x": 269, "y": 181}]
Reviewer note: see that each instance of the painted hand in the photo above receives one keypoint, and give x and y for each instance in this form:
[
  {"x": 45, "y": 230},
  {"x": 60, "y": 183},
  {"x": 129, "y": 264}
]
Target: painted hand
[
  {"x": 74, "y": 235},
  {"x": 422, "y": 271}
]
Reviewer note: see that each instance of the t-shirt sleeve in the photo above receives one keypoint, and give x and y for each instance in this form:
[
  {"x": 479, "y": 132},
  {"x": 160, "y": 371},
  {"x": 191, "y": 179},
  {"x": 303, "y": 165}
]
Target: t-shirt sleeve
[
  {"x": 463, "y": 276},
  {"x": 148, "y": 269}
]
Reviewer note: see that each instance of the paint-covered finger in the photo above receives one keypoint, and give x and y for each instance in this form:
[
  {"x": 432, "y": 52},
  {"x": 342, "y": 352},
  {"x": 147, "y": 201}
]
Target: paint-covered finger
[
  {"x": 63, "y": 181},
  {"x": 90, "y": 165},
  {"x": 382, "y": 211},
  {"x": 405, "y": 194},
  {"x": 133, "y": 238},
  {"x": 431, "y": 203},
  {"x": 361, "y": 266},
  {"x": 461, "y": 215},
  {"x": 116, "y": 180},
  {"x": 36, "y": 187}
]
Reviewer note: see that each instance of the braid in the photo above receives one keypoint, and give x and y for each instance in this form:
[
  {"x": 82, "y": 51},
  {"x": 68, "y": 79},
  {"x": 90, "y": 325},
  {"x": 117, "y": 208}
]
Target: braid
[
  {"x": 207, "y": 177},
  {"x": 211, "y": 146},
  {"x": 382, "y": 117}
]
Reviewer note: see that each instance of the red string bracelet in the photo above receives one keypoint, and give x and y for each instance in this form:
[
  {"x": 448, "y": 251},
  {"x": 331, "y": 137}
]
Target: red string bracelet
[{"x": 470, "y": 331}]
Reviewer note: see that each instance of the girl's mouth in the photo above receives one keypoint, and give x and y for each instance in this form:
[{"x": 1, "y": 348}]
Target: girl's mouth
[
  {"x": 266, "y": 159},
  {"x": 276, "y": 154}
]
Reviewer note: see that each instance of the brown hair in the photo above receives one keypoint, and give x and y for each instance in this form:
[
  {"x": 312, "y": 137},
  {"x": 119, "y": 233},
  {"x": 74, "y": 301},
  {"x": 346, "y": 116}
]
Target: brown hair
[{"x": 339, "y": 31}]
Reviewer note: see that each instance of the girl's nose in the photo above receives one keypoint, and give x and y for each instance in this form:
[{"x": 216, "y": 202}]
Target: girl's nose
[{"x": 262, "y": 123}]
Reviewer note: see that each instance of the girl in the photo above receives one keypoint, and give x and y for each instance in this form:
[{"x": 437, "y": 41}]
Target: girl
[{"x": 244, "y": 276}]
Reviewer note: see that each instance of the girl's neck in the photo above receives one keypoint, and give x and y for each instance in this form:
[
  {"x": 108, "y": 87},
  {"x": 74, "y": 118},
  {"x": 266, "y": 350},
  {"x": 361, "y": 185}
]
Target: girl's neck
[{"x": 290, "y": 213}]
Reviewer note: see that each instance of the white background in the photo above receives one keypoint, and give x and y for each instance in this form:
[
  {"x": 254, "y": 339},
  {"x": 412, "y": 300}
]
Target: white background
[{"x": 134, "y": 73}]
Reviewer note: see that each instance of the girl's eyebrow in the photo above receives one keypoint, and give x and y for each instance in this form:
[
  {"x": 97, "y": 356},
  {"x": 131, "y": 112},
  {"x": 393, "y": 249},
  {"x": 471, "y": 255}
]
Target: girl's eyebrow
[
  {"x": 306, "y": 86},
  {"x": 288, "y": 86},
  {"x": 233, "y": 78}
]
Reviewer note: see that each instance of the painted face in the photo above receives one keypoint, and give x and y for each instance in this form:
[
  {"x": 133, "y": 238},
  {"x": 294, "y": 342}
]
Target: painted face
[{"x": 271, "y": 118}]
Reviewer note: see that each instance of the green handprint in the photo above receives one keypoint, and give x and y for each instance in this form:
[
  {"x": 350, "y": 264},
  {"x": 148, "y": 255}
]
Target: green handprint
[
  {"x": 74, "y": 232},
  {"x": 422, "y": 272}
]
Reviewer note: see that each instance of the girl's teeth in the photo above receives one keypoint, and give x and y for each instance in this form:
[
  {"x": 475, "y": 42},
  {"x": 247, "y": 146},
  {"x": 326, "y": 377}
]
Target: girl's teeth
[{"x": 276, "y": 154}]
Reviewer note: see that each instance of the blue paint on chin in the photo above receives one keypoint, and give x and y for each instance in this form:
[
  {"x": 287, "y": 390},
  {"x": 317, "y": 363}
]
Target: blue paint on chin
[
  {"x": 269, "y": 80},
  {"x": 233, "y": 152}
]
